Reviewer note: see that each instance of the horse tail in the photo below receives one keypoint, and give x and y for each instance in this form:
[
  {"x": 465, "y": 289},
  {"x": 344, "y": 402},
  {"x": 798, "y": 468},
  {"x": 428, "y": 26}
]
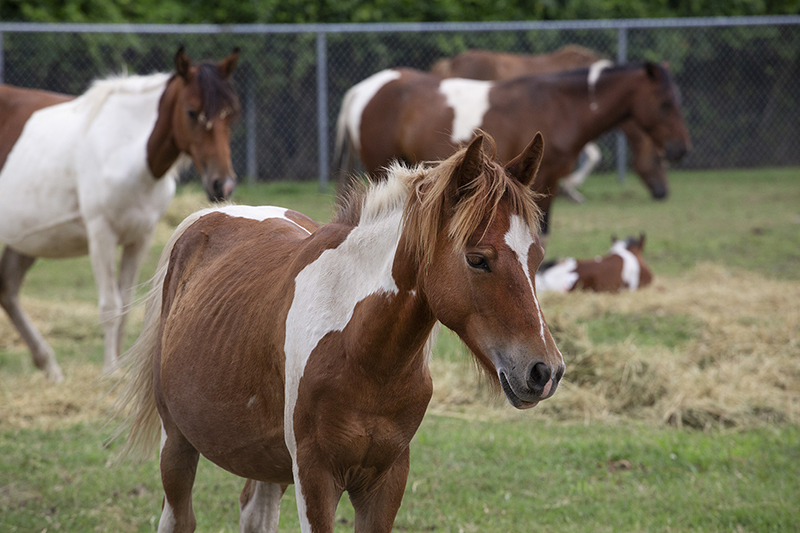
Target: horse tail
[
  {"x": 344, "y": 152},
  {"x": 142, "y": 418},
  {"x": 443, "y": 68}
]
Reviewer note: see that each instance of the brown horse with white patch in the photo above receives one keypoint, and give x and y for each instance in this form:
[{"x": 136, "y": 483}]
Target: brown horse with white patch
[
  {"x": 648, "y": 163},
  {"x": 417, "y": 116},
  {"x": 88, "y": 174},
  {"x": 290, "y": 353}
]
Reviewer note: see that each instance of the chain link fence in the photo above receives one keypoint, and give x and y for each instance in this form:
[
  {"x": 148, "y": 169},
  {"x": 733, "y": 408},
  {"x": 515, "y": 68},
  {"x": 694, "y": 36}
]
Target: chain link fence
[{"x": 739, "y": 78}]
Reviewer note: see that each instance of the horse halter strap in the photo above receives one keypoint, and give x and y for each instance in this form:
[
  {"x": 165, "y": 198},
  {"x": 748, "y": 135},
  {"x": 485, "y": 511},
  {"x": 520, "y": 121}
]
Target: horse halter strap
[{"x": 595, "y": 69}]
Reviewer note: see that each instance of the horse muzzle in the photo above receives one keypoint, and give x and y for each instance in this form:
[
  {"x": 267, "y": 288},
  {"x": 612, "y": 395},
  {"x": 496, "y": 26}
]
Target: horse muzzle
[
  {"x": 538, "y": 383},
  {"x": 221, "y": 189}
]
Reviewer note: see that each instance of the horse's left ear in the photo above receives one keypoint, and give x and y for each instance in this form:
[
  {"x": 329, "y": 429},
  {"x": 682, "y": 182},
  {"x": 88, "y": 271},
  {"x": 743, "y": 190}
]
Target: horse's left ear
[
  {"x": 182, "y": 63},
  {"x": 652, "y": 70},
  {"x": 471, "y": 164},
  {"x": 525, "y": 166},
  {"x": 227, "y": 65}
]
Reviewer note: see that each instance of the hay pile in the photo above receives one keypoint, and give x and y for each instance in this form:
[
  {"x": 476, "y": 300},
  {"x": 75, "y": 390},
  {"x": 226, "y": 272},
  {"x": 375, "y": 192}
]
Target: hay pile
[{"x": 737, "y": 361}]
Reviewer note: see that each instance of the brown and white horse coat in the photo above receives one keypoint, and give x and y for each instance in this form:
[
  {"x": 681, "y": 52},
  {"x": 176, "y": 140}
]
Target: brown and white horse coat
[
  {"x": 622, "y": 268},
  {"x": 414, "y": 116},
  {"x": 290, "y": 353}
]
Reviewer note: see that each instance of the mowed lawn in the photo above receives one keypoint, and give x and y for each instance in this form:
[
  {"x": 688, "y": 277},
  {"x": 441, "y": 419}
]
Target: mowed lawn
[{"x": 680, "y": 409}]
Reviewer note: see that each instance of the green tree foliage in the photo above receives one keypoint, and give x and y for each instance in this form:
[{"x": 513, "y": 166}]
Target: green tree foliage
[{"x": 298, "y": 11}]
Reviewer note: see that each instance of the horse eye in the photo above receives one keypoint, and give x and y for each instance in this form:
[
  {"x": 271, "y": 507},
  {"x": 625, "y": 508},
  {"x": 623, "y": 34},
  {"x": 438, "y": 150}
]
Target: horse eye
[
  {"x": 478, "y": 262},
  {"x": 192, "y": 115}
]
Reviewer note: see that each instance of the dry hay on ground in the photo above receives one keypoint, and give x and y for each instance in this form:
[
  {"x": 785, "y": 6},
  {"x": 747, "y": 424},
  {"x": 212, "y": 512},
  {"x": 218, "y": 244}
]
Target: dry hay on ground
[{"x": 738, "y": 366}]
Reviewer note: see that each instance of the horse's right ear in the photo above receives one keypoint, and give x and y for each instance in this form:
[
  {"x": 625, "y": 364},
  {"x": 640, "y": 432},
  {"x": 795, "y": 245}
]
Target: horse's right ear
[
  {"x": 227, "y": 65},
  {"x": 471, "y": 165},
  {"x": 182, "y": 63},
  {"x": 525, "y": 166}
]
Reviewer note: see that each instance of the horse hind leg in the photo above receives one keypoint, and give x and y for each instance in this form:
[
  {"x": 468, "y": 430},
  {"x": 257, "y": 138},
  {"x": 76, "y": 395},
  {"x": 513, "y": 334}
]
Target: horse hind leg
[
  {"x": 13, "y": 267},
  {"x": 178, "y": 468},
  {"x": 260, "y": 506}
]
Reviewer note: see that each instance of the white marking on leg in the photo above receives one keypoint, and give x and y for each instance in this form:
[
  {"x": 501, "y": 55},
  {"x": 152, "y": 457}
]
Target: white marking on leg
[
  {"x": 595, "y": 69},
  {"x": 262, "y": 513},
  {"x": 520, "y": 239},
  {"x": 470, "y": 101},
  {"x": 326, "y": 294},
  {"x": 166, "y": 524},
  {"x": 359, "y": 96},
  {"x": 631, "y": 268}
]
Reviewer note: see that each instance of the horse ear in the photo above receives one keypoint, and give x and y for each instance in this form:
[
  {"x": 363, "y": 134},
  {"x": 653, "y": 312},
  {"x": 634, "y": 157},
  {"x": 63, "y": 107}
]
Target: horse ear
[
  {"x": 182, "y": 63},
  {"x": 471, "y": 165},
  {"x": 641, "y": 241},
  {"x": 525, "y": 166},
  {"x": 227, "y": 65},
  {"x": 652, "y": 70}
]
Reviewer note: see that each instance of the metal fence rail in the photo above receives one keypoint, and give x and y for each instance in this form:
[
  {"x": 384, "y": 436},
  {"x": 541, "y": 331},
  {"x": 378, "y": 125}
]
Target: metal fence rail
[{"x": 740, "y": 76}]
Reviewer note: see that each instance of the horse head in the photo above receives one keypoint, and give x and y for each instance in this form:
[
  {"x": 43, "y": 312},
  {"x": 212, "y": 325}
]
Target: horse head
[
  {"x": 478, "y": 276},
  {"x": 657, "y": 109},
  {"x": 199, "y": 106}
]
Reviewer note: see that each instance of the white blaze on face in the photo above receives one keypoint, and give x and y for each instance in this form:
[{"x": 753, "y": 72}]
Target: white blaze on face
[
  {"x": 470, "y": 101},
  {"x": 359, "y": 96},
  {"x": 520, "y": 240},
  {"x": 325, "y": 297},
  {"x": 630, "y": 265}
]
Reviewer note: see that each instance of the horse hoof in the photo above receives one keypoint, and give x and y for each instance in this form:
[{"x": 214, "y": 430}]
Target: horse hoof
[{"x": 54, "y": 374}]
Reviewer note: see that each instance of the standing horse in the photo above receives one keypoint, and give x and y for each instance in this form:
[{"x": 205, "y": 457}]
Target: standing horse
[
  {"x": 417, "y": 116},
  {"x": 487, "y": 65},
  {"x": 622, "y": 268},
  {"x": 85, "y": 175},
  {"x": 287, "y": 353}
]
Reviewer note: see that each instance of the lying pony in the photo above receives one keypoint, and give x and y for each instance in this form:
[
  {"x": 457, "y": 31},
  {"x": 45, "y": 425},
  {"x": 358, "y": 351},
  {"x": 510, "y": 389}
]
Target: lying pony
[{"x": 623, "y": 267}]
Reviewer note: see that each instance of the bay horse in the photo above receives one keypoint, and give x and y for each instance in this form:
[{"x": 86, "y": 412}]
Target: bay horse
[
  {"x": 623, "y": 267},
  {"x": 417, "y": 116},
  {"x": 87, "y": 174},
  {"x": 287, "y": 352},
  {"x": 648, "y": 163}
]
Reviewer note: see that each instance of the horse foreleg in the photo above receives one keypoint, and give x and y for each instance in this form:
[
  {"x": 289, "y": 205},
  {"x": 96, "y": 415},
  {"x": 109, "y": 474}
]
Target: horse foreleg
[
  {"x": 569, "y": 185},
  {"x": 132, "y": 256},
  {"x": 13, "y": 267},
  {"x": 178, "y": 468},
  {"x": 102, "y": 248},
  {"x": 376, "y": 507},
  {"x": 260, "y": 507}
]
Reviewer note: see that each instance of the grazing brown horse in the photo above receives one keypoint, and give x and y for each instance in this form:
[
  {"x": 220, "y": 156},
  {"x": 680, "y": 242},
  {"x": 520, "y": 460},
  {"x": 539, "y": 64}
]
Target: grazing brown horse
[
  {"x": 85, "y": 175},
  {"x": 290, "y": 353},
  {"x": 622, "y": 268},
  {"x": 417, "y": 116},
  {"x": 487, "y": 65}
]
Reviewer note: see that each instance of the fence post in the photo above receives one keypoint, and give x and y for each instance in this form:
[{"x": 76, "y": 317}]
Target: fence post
[
  {"x": 250, "y": 122},
  {"x": 622, "y": 155},
  {"x": 322, "y": 110}
]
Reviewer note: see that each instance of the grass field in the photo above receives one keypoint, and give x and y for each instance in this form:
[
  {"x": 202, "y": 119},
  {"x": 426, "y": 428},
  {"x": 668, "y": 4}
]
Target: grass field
[{"x": 680, "y": 408}]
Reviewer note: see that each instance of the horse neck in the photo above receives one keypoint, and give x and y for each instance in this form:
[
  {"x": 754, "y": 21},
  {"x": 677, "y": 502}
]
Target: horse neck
[
  {"x": 162, "y": 149},
  {"x": 608, "y": 105}
]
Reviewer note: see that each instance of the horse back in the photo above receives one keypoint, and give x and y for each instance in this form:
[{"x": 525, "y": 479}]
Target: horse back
[{"x": 16, "y": 107}]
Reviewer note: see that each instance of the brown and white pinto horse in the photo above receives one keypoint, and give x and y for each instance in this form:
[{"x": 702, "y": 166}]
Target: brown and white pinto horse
[
  {"x": 290, "y": 353},
  {"x": 417, "y": 116},
  {"x": 622, "y": 268},
  {"x": 648, "y": 163},
  {"x": 87, "y": 174}
]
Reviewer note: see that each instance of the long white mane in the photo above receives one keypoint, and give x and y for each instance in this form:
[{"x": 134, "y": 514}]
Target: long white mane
[{"x": 99, "y": 92}]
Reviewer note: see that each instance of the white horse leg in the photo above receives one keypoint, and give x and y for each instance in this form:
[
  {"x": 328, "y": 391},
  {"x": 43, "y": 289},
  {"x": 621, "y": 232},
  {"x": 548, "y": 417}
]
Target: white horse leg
[
  {"x": 132, "y": 256},
  {"x": 13, "y": 266},
  {"x": 569, "y": 185},
  {"x": 260, "y": 507},
  {"x": 102, "y": 248}
]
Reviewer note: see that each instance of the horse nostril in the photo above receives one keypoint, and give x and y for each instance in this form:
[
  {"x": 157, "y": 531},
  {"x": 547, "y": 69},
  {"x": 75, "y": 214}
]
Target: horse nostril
[{"x": 540, "y": 375}]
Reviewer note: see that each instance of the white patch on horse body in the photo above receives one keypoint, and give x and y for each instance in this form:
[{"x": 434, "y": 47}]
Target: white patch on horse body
[
  {"x": 262, "y": 512},
  {"x": 325, "y": 297},
  {"x": 560, "y": 277},
  {"x": 470, "y": 101},
  {"x": 520, "y": 240},
  {"x": 595, "y": 69},
  {"x": 359, "y": 96},
  {"x": 251, "y": 402},
  {"x": 259, "y": 213},
  {"x": 630, "y": 265}
]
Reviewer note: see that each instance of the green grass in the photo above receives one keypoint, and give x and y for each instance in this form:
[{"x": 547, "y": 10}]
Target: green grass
[{"x": 475, "y": 473}]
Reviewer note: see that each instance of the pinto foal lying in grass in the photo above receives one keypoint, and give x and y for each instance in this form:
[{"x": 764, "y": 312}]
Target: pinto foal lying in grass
[{"x": 622, "y": 268}]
